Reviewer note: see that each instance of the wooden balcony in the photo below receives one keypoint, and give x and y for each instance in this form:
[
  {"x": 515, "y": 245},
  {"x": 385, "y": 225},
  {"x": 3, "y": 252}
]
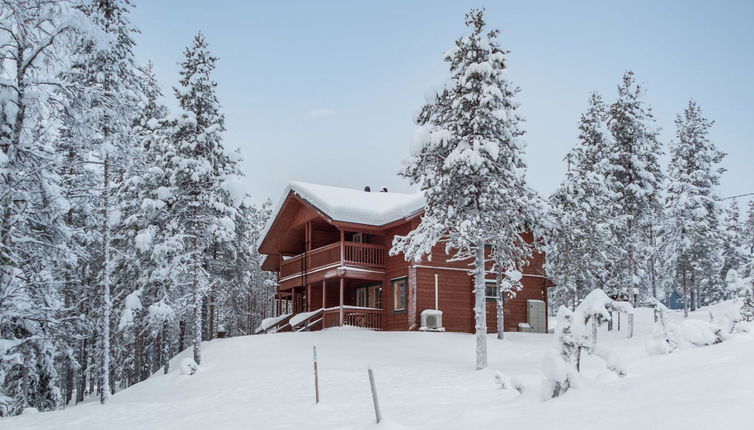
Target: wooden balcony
[{"x": 336, "y": 254}]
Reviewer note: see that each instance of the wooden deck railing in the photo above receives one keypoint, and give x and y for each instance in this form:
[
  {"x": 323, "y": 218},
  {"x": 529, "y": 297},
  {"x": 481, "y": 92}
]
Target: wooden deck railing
[
  {"x": 363, "y": 254},
  {"x": 354, "y": 316}
]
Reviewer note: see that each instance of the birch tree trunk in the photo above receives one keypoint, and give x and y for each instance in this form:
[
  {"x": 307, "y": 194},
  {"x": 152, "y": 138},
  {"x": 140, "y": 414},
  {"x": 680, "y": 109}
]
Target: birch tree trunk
[{"x": 479, "y": 308}]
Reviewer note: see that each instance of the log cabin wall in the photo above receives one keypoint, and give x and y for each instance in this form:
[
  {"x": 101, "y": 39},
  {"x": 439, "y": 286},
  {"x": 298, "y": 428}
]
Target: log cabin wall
[{"x": 395, "y": 267}]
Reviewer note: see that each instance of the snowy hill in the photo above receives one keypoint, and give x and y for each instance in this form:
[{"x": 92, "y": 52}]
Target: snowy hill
[{"x": 426, "y": 381}]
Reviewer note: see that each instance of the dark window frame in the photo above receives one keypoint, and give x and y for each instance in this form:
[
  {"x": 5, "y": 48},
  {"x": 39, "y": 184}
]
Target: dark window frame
[
  {"x": 393, "y": 283},
  {"x": 488, "y": 283}
]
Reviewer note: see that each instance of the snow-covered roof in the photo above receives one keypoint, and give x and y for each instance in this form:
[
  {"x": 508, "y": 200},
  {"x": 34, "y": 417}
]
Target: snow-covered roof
[
  {"x": 357, "y": 206},
  {"x": 352, "y": 206}
]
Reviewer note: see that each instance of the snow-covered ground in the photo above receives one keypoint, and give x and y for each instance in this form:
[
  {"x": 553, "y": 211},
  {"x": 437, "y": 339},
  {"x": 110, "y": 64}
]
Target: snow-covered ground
[{"x": 427, "y": 381}]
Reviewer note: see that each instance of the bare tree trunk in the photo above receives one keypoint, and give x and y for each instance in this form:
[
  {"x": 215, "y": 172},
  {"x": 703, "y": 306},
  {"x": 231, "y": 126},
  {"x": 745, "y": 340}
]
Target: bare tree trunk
[
  {"x": 480, "y": 308},
  {"x": 685, "y": 294},
  {"x": 107, "y": 304},
  {"x": 165, "y": 347}
]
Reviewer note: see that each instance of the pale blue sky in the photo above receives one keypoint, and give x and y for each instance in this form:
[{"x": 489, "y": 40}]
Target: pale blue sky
[{"x": 326, "y": 91}]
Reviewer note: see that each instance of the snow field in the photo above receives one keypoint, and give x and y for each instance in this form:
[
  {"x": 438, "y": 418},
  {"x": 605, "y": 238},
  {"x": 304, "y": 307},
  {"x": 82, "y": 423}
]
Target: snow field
[{"x": 427, "y": 381}]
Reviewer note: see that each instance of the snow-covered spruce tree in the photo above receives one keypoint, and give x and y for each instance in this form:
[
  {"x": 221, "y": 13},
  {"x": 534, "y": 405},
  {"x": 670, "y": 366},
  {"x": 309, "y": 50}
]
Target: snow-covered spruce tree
[
  {"x": 141, "y": 217},
  {"x": 748, "y": 234},
  {"x": 108, "y": 98},
  {"x": 691, "y": 238},
  {"x": 467, "y": 158},
  {"x": 202, "y": 209},
  {"x": 579, "y": 226},
  {"x": 733, "y": 252},
  {"x": 33, "y": 233},
  {"x": 634, "y": 180},
  {"x": 243, "y": 296}
]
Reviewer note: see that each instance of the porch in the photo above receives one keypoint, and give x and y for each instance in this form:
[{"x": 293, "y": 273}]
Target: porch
[{"x": 333, "y": 302}]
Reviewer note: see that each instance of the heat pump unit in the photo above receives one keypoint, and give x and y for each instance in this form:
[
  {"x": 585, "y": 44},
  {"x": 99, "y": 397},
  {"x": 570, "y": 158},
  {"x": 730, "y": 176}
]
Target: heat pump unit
[{"x": 431, "y": 320}]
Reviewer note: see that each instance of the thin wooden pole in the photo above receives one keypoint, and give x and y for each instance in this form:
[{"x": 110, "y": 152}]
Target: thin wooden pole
[
  {"x": 374, "y": 397},
  {"x": 324, "y": 296},
  {"x": 316, "y": 377}
]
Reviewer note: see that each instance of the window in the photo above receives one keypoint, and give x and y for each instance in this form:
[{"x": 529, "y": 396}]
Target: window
[
  {"x": 490, "y": 291},
  {"x": 399, "y": 286},
  {"x": 369, "y": 296}
]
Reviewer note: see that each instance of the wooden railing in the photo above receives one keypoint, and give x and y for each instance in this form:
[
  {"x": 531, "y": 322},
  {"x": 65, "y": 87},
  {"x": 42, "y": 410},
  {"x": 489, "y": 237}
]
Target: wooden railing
[
  {"x": 291, "y": 266},
  {"x": 364, "y": 254},
  {"x": 354, "y": 316}
]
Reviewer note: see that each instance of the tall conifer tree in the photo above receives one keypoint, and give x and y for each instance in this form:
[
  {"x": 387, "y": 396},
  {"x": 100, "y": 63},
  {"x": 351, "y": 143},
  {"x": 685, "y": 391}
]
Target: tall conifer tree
[{"x": 467, "y": 158}]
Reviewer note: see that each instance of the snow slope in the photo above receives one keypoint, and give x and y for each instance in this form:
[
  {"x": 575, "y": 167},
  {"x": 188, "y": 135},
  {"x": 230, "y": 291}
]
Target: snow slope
[{"x": 426, "y": 381}]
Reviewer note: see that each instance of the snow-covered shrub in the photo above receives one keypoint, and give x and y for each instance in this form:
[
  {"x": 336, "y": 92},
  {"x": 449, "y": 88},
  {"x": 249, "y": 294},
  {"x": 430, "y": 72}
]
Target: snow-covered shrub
[
  {"x": 560, "y": 375},
  {"x": 559, "y": 366},
  {"x": 188, "y": 366},
  {"x": 613, "y": 362},
  {"x": 747, "y": 309},
  {"x": 699, "y": 333},
  {"x": 506, "y": 382},
  {"x": 576, "y": 332},
  {"x": 662, "y": 340}
]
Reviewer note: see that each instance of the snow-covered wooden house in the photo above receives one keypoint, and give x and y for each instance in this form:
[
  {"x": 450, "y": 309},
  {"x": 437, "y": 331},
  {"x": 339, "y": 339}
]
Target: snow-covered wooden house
[{"x": 330, "y": 246}]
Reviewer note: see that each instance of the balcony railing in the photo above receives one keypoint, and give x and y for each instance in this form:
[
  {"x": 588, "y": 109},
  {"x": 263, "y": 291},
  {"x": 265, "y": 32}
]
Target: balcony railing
[{"x": 363, "y": 254}]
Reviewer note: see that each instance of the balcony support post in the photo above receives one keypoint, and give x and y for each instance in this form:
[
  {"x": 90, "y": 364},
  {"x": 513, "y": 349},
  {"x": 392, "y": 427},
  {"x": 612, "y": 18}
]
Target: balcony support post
[
  {"x": 342, "y": 247},
  {"x": 341, "y": 301},
  {"x": 324, "y": 294}
]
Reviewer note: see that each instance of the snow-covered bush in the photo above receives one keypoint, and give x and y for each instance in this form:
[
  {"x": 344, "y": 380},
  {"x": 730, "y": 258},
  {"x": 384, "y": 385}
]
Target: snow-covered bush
[
  {"x": 506, "y": 382},
  {"x": 747, "y": 309},
  {"x": 699, "y": 333},
  {"x": 662, "y": 341},
  {"x": 188, "y": 366},
  {"x": 559, "y": 366},
  {"x": 576, "y": 332}
]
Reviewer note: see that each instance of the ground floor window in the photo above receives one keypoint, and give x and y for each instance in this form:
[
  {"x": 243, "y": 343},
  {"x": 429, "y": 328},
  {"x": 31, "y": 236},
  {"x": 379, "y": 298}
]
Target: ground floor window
[
  {"x": 369, "y": 296},
  {"x": 399, "y": 287}
]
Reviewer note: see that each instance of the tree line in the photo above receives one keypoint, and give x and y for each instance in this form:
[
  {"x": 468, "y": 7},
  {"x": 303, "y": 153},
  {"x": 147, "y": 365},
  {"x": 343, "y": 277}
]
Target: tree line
[
  {"x": 622, "y": 222},
  {"x": 618, "y": 222},
  {"x": 126, "y": 235}
]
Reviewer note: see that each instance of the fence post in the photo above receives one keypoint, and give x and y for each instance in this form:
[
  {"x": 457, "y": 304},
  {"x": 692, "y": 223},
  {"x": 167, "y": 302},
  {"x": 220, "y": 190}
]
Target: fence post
[
  {"x": 374, "y": 396},
  {"x": 316, "y": 377}
]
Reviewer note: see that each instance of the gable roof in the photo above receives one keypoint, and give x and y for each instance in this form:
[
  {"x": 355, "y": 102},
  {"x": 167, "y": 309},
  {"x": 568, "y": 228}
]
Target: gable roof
[{"x": 347, "y": 205}]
